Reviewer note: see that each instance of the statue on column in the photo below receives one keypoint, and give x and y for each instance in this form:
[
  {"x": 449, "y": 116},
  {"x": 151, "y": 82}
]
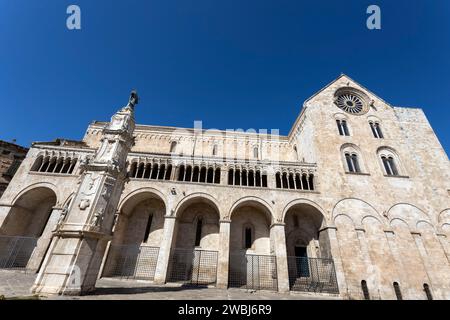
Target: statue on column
[{"x": 134, "y": 99}]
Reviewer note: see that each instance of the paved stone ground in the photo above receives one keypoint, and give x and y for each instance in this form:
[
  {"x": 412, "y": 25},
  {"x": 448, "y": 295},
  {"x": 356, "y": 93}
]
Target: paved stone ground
[{"x": 17, "y": 284}]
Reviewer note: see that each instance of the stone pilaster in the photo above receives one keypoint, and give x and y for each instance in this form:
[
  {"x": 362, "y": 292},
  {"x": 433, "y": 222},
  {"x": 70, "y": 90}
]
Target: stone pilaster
[
  {"x": 165, "y": 249},
  {"x": 44, "y": 240},
  {"x": 278, "y": 240},
  {"x": 224, "y": 254},
  {"x": 74, "y": 257},
  {"x": 336, "y": 256}
]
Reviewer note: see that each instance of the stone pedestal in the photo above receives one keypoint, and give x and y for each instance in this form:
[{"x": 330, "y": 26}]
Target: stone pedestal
[
  {"x": 278, "y": 239},
  {"x": 224, "y": 254},
  {"x": 165, "y": 249}
]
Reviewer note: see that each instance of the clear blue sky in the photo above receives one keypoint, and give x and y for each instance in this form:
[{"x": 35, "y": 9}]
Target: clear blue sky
[{"x": 231, "y": 63}]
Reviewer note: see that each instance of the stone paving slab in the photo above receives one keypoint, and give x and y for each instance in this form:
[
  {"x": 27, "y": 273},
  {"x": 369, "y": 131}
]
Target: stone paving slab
[{"x": 16, "y": 284}]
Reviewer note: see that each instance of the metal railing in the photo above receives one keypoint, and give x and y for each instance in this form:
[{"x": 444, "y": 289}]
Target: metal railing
[
  {"x": 193, "y": 267},
  {"x": 257, "y": 272},
  {"x": 131, "y": 262},
  {"x": 15, "y": 252},
  {"x": 312, "y": 275}
]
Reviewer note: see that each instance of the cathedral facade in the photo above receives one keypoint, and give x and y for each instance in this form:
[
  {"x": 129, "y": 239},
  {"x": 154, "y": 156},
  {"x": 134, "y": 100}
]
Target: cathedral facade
[{"x": 354, "y": 202}]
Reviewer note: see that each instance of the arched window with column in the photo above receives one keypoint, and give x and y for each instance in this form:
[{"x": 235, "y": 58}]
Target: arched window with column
[
  {"x": 390, "y": 162},
  {"x": 173, "y": 146},
  {"x": 376, "y": 129},
  {"x": 352, "y": 160}
]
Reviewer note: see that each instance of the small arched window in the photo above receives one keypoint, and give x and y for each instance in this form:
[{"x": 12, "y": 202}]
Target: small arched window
[
  {"x": 255, "y": 152},
  {"x": 352, "y": 162},
  {"x": 198, "y": 231},
  {"x": 426, "y": 288},
  {"x": 365, "y": 290},
  {"x": 389, "y": 166},
  {"x": 342, "y": 127},
  {"x": 397, "y": 290},
  {"x": 376, "y": 130},
  {"x": 214, "y": 150},
  {"x": 173, "y": 146}
]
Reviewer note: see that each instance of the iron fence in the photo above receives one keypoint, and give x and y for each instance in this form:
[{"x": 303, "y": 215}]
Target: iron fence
[
  {"x": 131, "y": 262},
  {"x": 15, "y": 252},
  {"x": 312, "y": 275},
  {"x": 258, "y": 272},
  {"x": 193, "y": 267}
]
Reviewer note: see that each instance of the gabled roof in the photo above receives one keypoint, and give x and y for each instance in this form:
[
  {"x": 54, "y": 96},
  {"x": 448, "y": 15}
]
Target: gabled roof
[
  {"x": 343, "y": 75},
  {"x": 325, "y": 87}
]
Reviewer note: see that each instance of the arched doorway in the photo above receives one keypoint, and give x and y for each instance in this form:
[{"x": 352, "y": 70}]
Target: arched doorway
[
  {"x": 196, "y": 243},
  {"x": 27, "y": 223},
  {"x": 252, "y": 264},
  {"x": 310, "y": 265},
  {"x": 134, "y": 250}
]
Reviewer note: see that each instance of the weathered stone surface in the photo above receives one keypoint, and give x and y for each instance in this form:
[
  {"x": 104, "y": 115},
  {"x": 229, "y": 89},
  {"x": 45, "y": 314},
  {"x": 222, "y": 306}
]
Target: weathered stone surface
[{"x": 380, "y": 228}]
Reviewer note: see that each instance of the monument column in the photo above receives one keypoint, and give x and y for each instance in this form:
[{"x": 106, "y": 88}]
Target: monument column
[{"x": 74, "y": 258}]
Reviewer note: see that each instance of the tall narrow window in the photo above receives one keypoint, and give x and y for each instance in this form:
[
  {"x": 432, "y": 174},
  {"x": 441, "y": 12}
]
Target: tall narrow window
[
  {"x": 248, "y": 237},
  {"x": 356, "y": 163},
  {"x": 148, "y": 227},
  {"x": 217, "y": 176},
  {"x": 342, "y": 127},
  {"x": 341, "y": 131},
  {"x": 398, "y": 293},
  {"x": 255, "y": 152},
  {"x": 345, "y": 128},
  {"x": 198, "y": 232},
  {"x": 352, "y": 162},
  {"x": 378, "y": 130},
  {"x": 230, "y": 176},
  {"x": 426, "y": 288},
  {"x": 181, "y": 173},
  {"x": 278, "y": 180},
  {"x": 264, "y": 180},
  {"x": 365, "y": 290},
  {"x": 389, "y": 166},
  {"x": 372, "y": 127},
  {"x": 173, "y": 146},
  {"x": 214, "y": 152}
]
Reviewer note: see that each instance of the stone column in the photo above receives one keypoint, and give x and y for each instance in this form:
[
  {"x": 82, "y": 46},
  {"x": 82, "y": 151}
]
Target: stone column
[
  {"x": 165, "y": 250},
  {"x": 224, "y": 175},
  {"x": 74, "y": 258},
  {"x": 278, "y": 239},
  {"x": 224, "y": 254},
  {"x": 336, "y": 256}
]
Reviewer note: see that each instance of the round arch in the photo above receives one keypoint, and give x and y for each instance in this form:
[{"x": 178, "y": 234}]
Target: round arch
[
  {"x": 39, "y": 185},
  {"x": 194, "y": 198},
  {"x": 357, "y": 218},
  {"x": 299, "y": 202},
  {"x": 413, "y": 214},
  {"x": 255, "y": 201},
  {"x": 127, "y": 204}
]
